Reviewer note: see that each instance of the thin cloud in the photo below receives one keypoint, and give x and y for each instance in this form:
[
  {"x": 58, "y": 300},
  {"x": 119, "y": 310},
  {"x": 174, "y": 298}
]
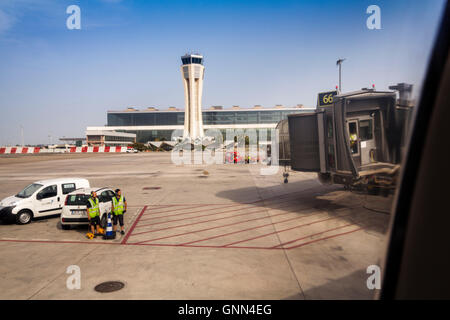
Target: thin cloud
[
  {"x": 6, "y": 21},
  {"x": 11, "y": 11}
]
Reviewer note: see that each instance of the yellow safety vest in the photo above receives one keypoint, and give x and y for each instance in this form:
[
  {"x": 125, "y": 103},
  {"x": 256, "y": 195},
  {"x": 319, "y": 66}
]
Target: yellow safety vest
[
  {"x": 94, "y": 210},
  {"x": 118, "y": 205}
]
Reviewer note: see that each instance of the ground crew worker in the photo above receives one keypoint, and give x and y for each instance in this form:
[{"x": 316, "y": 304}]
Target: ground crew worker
[
  {"x": 94, "y": 212},
  {"x": 119, "y": 207},
  {"x": 353, "y": 140}
]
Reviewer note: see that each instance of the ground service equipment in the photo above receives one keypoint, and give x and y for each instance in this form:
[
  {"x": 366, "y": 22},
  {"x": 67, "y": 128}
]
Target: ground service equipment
[{"x": 357, "y": 140}]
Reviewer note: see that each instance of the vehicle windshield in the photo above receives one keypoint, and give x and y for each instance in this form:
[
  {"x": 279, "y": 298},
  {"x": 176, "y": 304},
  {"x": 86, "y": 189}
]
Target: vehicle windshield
[
  {"x": 77, "y": 199},
  {"x": 29, "y": 190}
]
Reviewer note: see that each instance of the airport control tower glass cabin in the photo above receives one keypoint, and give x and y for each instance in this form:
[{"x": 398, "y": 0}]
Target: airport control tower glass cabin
[{"x": 192, "y": 72}]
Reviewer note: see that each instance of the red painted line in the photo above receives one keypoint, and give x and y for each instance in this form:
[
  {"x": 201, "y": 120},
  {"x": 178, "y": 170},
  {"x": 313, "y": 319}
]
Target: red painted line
[
  {"x": 183, "y": 213},
  {"x": 13, "y": 150},
  {"x": 177, "y": 245},
  {"x": 225, "y": 205},
  {"x": 125, "y": 239},
  {"x": 194, "y": 223},
  {"x": 325, "y": 238},
  {"x": 276, "y": 248},
  {"x": 197, "y": 246},
  {"x": 194, "y": 217},
  {"x": 2, "y": 150},
  {"x": 170, "y": 211},
  {"x": 227, "y": 225},
  {"x": 138, "y": 206},
  {"x": 37, "y": 150},
  {"x": 59, "y": 241},
  {"x": 25, "y": 150},
  {"x": 253, "y": 228},
  {"x": 291, "y": 228},
  {"x": 150, "y": 205},
  {"x": 172, "y": 215},
  {"x": 314, "y": 234},
  {"x": 204, "y": 215},
  {"x": 110, "y": 243},
  {"x": 182, "y": 205},
  {"x": 209, "y": 214},
  {"x": 162, "y": 206}
]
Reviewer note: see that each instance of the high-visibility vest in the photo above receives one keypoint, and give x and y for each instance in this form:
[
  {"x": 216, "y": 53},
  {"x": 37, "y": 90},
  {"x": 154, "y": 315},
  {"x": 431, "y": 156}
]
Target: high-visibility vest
[
  {"x": 118, "y": 205},
  {"x": 94, "y": 210}
]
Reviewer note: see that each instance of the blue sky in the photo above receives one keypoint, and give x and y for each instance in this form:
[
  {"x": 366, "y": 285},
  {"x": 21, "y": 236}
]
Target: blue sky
[{"x": 55, "y": 81}]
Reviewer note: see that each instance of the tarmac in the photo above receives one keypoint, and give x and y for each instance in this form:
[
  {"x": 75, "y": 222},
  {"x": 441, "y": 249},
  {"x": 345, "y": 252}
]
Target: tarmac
[{"x": 196, "y": 232}]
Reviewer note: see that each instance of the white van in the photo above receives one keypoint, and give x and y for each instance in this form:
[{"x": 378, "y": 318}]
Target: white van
[
  {"x": 39, "y": 199},
  {"x": 74, "y": 211}
]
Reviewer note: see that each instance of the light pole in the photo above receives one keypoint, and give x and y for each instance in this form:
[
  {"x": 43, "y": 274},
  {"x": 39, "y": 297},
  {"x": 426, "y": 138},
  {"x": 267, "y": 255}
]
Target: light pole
[
  {"x": 21, "y": 133},
  {"x": 339, "y": 63}
]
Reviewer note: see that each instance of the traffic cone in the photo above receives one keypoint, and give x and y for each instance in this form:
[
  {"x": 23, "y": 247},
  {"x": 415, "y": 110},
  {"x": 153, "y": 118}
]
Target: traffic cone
[{"x": 110, "y": 234}]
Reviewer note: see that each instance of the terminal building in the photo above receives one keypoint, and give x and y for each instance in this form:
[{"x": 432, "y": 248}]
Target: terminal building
[
  {"x": 152, "y": 124},
  {"x": 109, "y": 138}
]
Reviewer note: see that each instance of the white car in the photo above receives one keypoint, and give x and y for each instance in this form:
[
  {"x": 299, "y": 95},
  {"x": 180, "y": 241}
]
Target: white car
[
  {"x": 74, "y": 211},
  {"x": 132, "y": 150},
  {"x": 39, "y": 199}
]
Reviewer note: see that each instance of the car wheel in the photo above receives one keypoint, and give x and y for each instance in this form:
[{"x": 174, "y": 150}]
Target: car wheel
[
  {"x": 66, "y": 226},
  {"x": 24, "y": 217}
]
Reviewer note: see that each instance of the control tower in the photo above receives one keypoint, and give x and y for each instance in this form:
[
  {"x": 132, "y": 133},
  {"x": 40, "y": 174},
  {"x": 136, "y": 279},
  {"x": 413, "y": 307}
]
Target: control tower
[{"x": 192, "y": 72}]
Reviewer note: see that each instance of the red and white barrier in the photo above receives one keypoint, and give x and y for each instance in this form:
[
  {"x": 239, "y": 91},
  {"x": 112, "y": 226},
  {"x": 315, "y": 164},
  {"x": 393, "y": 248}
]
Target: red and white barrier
[
  {"x": 19, "y": 150},
  {"x": 97, "y": 149},
  {"x": 29, "y": 150}
]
